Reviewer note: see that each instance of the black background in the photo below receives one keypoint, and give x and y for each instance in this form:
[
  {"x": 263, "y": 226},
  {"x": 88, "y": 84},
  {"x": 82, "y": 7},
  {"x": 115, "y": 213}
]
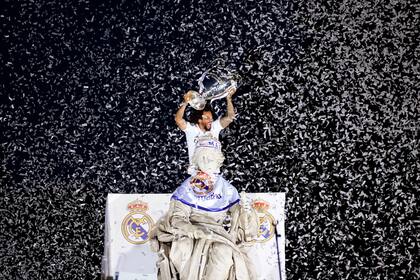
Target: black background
[{"x": 328, "y": 112}]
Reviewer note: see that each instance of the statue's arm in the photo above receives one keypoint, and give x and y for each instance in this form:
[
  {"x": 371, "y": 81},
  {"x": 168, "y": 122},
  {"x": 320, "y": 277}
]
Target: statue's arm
[
  {"x": 180, "y": 215},
  {"x": 180, "y": 218},
  {"x": 244, "y": 224}
]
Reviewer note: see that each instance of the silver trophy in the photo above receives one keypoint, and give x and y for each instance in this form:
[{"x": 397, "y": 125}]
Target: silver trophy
[{"x": 213, "y": 84}]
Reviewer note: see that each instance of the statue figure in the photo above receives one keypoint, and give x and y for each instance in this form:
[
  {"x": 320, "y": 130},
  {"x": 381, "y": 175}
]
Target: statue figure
[{"x": 208, "y": 229}]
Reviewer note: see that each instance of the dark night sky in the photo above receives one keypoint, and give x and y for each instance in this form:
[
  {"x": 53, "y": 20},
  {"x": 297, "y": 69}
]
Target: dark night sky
[{"x": 328, "y": 112}]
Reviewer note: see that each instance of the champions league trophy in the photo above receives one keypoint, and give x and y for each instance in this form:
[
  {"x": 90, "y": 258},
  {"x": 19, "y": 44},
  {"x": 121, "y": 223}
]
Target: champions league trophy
[{"x": 214, "y": 84}]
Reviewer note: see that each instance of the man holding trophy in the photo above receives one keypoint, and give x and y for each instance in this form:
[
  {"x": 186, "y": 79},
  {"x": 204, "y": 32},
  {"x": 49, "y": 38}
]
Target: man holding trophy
[
  {"x": 208, "y": 230},
  {"x": 202, "y": 118}
]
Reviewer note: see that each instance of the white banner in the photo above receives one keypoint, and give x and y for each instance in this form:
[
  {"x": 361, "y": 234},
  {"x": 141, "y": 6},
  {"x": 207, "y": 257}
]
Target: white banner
[{"x": 129, "y": 218}]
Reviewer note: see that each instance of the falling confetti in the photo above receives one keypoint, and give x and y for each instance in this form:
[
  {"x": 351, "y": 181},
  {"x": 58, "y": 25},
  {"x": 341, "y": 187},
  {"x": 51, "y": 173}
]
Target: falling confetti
[{"x": 327, "y": 111}]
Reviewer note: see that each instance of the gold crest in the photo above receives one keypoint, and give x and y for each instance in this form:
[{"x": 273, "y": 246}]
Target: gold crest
[
  {"x": 201, "y": 184},
  {"x": 265, "y": 219},
  {"x": 136, "y": 225}
]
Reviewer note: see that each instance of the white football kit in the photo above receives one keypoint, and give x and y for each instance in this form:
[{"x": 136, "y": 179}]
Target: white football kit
[{"x": 193, "y": 132}]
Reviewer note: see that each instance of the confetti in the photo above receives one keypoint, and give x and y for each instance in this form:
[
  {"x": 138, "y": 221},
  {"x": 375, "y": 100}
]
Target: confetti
[{"x": 328, "y": 112}]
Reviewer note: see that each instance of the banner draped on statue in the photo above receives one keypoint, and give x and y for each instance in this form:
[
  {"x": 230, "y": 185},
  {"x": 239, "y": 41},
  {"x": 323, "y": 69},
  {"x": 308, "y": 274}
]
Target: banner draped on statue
[{"x": 129, "y": 218}]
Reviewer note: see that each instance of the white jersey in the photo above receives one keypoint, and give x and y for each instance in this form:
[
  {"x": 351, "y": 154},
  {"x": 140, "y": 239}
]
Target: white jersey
[{"x": 193, "y": 132}]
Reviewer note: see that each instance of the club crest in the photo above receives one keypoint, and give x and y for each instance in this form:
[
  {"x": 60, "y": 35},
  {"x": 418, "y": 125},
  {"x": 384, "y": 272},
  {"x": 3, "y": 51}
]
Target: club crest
[
  {"x": 136, "y": 225},
  {"x": 201, "y": 184},
  {"x": 265, "y": 219}
]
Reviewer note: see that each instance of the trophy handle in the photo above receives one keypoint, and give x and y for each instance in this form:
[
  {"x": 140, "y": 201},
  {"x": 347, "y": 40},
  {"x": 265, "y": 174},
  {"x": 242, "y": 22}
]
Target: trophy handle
[{"x": 201, "y": 79}]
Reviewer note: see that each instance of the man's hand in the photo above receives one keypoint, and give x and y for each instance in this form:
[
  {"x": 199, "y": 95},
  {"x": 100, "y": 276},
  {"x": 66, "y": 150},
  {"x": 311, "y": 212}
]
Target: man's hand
[
  {"x": 231, "y": 91},
  {"x": 189, "y": 95}
]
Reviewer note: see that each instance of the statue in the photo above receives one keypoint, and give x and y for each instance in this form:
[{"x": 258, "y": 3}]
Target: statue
[{"x": 207, "y": 231}]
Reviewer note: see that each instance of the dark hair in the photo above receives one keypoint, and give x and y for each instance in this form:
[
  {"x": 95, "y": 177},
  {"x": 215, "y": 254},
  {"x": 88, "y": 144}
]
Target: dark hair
[{"x": 197, "y": 114}]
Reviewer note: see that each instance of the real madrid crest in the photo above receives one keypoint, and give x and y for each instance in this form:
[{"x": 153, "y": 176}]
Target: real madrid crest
[
  {"x": 201, "y": 184},
  {"x": 136, "y": 225},
  {"x": 265, "y": 219}
]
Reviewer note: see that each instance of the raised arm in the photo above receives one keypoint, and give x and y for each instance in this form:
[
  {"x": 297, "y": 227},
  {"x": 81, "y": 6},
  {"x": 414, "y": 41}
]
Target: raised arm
[
  {"x": 179, "y": 116},
  {"x": 230, "y": 114}
]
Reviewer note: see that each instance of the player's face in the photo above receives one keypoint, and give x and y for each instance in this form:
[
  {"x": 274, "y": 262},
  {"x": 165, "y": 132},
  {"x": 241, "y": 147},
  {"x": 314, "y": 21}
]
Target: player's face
[{"x": 206, "y": 120}]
